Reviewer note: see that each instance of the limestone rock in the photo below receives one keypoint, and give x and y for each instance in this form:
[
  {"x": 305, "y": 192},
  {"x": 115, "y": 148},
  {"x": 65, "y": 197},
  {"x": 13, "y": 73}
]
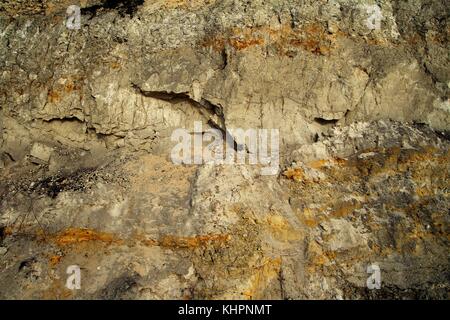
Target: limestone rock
[
  {"x": 40, "y": 153},
  {"x": 363, "y": 116}
]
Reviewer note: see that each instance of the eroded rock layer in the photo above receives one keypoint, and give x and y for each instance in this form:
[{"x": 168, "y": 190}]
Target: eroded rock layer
[{"x": 86, "y": 118}]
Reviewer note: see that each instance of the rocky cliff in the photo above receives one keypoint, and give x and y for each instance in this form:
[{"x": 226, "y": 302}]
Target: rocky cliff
[{"x": 87, "y": 115}]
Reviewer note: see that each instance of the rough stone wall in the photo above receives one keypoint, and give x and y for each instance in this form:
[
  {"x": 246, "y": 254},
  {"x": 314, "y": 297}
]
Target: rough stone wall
[
  {"x": 86, "y": 118},
  {"x": 292, "y": 65}
]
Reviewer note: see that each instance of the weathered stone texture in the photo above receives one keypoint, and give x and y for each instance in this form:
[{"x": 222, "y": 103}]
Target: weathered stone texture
[{"x": 86, "y": 118}]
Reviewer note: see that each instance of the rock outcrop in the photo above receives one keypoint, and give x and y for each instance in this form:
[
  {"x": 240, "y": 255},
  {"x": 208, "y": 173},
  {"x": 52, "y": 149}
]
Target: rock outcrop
[{"x": 87, "y": 115}]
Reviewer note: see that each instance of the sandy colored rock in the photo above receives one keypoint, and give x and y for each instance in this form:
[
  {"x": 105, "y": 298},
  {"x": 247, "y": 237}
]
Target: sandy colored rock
[
  {"x": 363, "y": 118},
  {"x": 40, "y": 152}
]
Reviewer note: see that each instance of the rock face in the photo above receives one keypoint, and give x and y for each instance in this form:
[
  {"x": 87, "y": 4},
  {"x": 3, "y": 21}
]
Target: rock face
[{"x": 87, "y": 115}]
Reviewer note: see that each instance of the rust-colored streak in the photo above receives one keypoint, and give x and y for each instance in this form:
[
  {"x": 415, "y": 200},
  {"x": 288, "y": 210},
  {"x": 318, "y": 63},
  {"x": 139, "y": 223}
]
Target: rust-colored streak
[
  {"x": 312, "y": 38},
  {"x": 77, "y": 235},
  {"x": 54, "y": 260}
]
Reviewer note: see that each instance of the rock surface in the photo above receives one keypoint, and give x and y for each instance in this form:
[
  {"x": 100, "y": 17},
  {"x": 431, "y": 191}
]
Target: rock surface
[{"x": 86, "y": 118}]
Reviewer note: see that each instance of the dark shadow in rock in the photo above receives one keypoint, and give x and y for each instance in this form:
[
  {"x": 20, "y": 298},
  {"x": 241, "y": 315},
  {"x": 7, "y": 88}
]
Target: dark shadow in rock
[
  {"x": 325, "y": 122},
  {"x": 123, "y": 7}
]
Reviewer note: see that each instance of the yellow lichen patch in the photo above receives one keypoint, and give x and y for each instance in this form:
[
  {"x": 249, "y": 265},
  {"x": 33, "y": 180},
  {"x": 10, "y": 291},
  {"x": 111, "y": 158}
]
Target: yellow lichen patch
[
  {"x": 261, "y": 278},
  {"x": 281, "y": 229},
  {"x": 296, "y": 174},
  {"x": 54, "y": 260},
  {"x": 169, "y": 241},
  {"x": 308, "y": 218},
  {"x": 77, "y": 235}
]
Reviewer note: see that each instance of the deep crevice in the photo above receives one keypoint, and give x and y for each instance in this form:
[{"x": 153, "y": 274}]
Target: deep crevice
[
  {"x": 172, "y": 97},
  {"x": 123, "y": 7},
  {"x": 203, "y": 104},
  {"x": 2, "y": 233},
  {"x": 225, "y": 58},
  {"x": 326, "y": 122}
]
